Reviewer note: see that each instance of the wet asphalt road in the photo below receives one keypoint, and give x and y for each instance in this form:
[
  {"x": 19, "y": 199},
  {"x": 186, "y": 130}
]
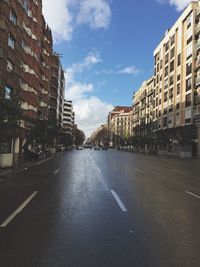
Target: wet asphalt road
[{"x": 102, "y": 209}]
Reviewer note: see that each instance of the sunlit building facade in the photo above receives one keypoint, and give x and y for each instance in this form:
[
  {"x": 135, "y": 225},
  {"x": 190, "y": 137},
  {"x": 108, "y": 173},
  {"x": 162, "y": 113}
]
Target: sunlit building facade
[
  {"x": 25, "y": 60},
  {"x": 176, "y": 106}
]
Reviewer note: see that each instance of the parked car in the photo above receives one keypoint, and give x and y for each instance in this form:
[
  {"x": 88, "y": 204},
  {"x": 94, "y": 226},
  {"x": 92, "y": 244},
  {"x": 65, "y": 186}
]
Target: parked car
[
  {"x": 104, "y": 148},
  {"x": 96, "y": 148}
]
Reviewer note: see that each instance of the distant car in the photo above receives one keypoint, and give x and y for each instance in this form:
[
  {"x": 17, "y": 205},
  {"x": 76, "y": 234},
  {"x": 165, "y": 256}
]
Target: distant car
[
  {"x": 96, "y": 148},
  {"x": 88, "y": 146},
  {"x": 104, "y": 148},
  {"x": 79, "y": 148}
]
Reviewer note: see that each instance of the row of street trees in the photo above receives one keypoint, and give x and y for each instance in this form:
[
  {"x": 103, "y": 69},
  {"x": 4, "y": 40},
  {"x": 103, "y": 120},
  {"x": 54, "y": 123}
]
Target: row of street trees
[{"x": 44, "y": 133}]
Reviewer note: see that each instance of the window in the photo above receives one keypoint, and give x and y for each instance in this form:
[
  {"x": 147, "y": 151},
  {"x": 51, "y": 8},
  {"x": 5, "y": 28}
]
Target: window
[
  {"x": 24, "y": 45},
  {"x": 166, "y": 71},
  {"x": 171, "y": 93},
  {"x": 172, "y": 66},
  {"x": 188, "y": 68},
  {"x": 10, "y": 66},
  {"x": 171, "y": 80},
  {"x": 8, "y": 92},
  {"x": 165, "y": 122},
  {"x": 170, "y": 109},
  {"x": 166, "y": 84},
  {"x": 172, "y": 39},
  {"x": 161, "y": 64},
  {"x": 11, "y": 41},
  {"x": 189, "y": 52},
  {"x": 189, "y": 36},
  {"x": 188, "y": 84},
  {"x": 158, "y": 67},
  {"x": 172, "y": 53},
  {"x": 165, "y": 96},
  {"x": 188, "y": 114},
  {"x": 178, "y": 77},
  {"x": 166, "y": 58},
  {"x": 25, "y": 5},
  {"x": 179, "y": 60},
  {"x": 188, "y": 100},
  {"x": 167, "y": 46},
  {"x": 13, "y": 16},
  {"x": 177, "y": 105},
  {"x": 178, "y": 89},
  {"x": 189, "y": 22}
]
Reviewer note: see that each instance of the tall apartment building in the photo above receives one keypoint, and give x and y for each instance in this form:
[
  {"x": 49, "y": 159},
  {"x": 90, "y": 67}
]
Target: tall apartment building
[
  {"x": 68, "y": 117},
  {"x": 120, "y": 125},
  {"x": 25, "y": 60},
  {"x": 176, "y": 107},
  {"x": 143, "y": 112},
  {"x": 56, "y": 93}
]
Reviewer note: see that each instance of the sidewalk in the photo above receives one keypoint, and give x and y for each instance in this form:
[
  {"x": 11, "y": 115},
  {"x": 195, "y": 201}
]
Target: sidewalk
[{"x": 27, "y": 164}]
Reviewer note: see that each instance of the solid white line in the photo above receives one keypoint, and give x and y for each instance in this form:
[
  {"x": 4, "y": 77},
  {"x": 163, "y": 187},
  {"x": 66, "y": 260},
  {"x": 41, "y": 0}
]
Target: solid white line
[
  {"x": 119, "y": 202},
  {"x": 18, "y": 210},
  {"x": 140, "y": 170},
  {"x": 57, "y": 171},
  {"x": 192, "y": 194}
]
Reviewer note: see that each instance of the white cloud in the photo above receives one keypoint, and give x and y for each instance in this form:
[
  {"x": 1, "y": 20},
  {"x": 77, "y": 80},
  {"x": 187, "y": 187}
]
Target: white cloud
[
  {"x": 77, "y": 91},
  {"x": 96, "y": 13},
  {"x": 179, "y": 4},
  {"x": 63, "y": 16},
  {"x": 90, "y": 111},
  {"x": 88, "y": 62},
  {"x": 59, "y": 18},
  {"x": 130, "y": 70}
]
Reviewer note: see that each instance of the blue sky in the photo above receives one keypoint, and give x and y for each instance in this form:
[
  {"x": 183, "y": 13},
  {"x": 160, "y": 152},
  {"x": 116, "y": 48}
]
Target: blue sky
[{"x": 107, "y": 49}]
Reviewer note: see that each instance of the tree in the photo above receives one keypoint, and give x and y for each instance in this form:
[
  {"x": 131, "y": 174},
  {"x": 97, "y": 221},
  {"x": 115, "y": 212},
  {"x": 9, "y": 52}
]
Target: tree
[
  {"x": 10, "y": 116},
  {"x": 102, "y": 136},
  {"x": 66, "y": 139},
  {"x": 79, "y": 137}
]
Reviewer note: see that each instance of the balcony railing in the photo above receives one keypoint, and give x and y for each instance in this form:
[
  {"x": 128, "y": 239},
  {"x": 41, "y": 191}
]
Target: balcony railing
[
  {"x": 198, "y": 12},
  {"x": 198, "y": 44},
  {"x": 198, "y": 63},
  {"x": 197, "y": 99},
  {"x": 198, "y": 28},
  {"x": 198, "y": 81}
]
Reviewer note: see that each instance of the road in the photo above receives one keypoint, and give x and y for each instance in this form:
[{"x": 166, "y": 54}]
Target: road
[{"x": 102, "y": 209}]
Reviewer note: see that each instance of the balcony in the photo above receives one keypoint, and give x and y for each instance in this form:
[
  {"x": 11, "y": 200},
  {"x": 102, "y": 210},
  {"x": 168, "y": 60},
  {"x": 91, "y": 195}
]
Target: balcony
[
  {"x": 198, "y": 63},
  {"x": 198, "y": 81},
  {"x": 197, "y": 99},
  {"x": 198, "y": 12},
  {"x": 198, "y": 28},
  {"x": 198, "y": 45}
]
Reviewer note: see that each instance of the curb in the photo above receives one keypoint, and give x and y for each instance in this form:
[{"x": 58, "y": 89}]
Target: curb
[{"x": 19, "y": 170}]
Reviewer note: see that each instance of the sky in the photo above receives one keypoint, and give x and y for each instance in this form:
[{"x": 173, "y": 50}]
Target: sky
[{"x": 106, "y": 49}]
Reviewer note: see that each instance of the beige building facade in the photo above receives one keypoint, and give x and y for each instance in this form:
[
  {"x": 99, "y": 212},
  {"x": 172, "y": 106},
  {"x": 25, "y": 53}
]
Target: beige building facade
[
  {"x": 120, "y": 124},
  {"x": 176, "y": 105},
  {"x": 143, "y": 114}
]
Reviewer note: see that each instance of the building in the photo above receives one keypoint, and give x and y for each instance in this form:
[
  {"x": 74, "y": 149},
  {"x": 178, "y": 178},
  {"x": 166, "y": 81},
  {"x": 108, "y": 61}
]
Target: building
[
  {"x": 25, "y": 63},
  {"x": 68, "y": 117},
  {"x": 143, "y": 115},
  {"x": 57, "y": 93},
  {"x": 176, "y": 107},
  {"x": 120, "y": 125}
]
